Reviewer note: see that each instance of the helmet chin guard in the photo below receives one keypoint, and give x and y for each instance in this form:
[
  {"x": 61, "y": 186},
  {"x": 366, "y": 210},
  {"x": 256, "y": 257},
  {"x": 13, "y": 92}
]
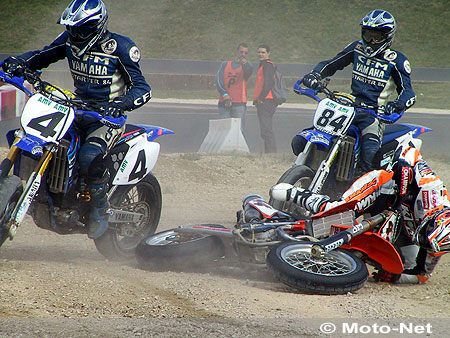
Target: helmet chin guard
[{"x": 86, "y": 21}]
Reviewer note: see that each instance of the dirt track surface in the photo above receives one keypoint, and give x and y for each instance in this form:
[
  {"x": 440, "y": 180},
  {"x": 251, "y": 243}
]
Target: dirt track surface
[{"x": 53, "y": 285}]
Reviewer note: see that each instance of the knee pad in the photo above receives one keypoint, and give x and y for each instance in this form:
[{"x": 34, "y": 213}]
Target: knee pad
[{"x": 91, "y": 156}]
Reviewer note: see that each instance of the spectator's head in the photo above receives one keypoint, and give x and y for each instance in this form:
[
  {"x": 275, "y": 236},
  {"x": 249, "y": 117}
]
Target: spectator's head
[
  {"x": 242, "y": 51},
  {"x": 263, "y": 52},
  {"x": 86, "y": 22}
]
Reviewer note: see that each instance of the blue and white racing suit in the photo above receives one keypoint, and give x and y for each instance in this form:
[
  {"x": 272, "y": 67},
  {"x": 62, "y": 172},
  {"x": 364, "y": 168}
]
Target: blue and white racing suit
[
  {"x": 108, "y": 71},
  {"x": 373, "y": 81}
]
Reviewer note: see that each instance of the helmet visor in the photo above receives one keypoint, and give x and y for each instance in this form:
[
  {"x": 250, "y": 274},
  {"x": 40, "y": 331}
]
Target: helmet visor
[
  {"x": 84, "y": 31},
  {"x": 375, "y": 36}
]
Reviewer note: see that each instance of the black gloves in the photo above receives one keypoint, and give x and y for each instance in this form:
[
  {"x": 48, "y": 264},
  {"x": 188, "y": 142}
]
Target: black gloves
[
  {"x": 385, "y": 276},
  {"x": 14, "y": 66},
  {"x": 113, "y": 109},
  {"x": 394, "y": 107},
  {"x": 312, "y": 80}
]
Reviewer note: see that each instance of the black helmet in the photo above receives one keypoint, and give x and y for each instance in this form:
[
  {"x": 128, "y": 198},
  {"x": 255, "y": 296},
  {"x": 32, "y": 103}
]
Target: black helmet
[
  {"x": 377, "y": 31},
  {"x": 86, "y": 22}
]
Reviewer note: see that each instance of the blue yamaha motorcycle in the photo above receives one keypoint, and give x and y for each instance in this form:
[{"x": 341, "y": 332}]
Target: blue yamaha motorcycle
[{"x": 329, "y": 160}]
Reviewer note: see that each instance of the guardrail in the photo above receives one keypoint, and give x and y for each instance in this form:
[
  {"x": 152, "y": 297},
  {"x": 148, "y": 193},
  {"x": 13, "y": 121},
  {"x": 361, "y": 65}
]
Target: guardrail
[{"x": 199, "y": 67}]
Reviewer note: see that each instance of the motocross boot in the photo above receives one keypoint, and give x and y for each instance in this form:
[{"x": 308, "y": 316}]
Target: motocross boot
[
  {"x": 98, "y": 219},
  {"x": 302, "y": 197}
]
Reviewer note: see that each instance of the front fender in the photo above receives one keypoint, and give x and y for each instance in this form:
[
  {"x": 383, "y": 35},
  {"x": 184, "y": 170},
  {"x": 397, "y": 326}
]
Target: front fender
[
  {"x": 31, "y": 144},
  {"x": 317, "y": 137},
  {"x": 378, "y": 249}
]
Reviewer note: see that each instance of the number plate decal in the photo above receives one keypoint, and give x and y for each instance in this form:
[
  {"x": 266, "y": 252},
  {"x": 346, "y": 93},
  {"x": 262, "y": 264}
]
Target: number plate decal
[
  {"x": 46, "y": 119},
  {"x": 333, "y": 118}
]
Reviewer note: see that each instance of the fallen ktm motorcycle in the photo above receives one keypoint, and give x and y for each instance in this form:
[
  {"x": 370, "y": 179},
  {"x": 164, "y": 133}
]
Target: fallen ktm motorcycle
[
  {"x": 44, "y": 154},
  {"x": 299, "y": 252}
]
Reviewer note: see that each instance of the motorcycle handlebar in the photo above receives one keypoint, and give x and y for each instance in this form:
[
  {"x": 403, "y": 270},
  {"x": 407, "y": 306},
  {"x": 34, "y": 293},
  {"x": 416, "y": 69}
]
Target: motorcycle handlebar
[
  {"x": 86, "y": 108},
  {"x": 322, "y": 88}
]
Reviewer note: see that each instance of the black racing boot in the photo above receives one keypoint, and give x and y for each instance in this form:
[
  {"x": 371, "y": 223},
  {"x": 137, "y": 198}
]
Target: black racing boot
[{"x": 98, "y": 219}]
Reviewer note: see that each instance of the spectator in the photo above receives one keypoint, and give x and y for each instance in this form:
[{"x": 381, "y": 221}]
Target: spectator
[
  {"x": 263, "y": 98},
  {"x": 231, "y": 83}
]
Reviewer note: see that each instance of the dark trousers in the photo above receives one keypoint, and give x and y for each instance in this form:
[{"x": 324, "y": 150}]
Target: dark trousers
[{"x": 265, "y": 113}]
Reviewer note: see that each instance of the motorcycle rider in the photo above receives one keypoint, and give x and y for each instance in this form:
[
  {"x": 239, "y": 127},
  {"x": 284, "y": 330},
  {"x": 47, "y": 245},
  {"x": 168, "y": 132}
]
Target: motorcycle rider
[
  {"x": 377, "y": 70},
  {"x": 425, "y": 210},
  {"x": 105, "y": 69}
]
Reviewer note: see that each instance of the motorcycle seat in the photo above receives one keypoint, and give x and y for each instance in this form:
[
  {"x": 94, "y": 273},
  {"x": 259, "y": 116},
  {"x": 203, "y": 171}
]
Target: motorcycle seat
[{"x": 392, "y": 131}]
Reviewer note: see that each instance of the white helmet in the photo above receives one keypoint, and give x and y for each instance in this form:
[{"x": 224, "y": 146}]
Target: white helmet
[{"x": 86, "y": 22}]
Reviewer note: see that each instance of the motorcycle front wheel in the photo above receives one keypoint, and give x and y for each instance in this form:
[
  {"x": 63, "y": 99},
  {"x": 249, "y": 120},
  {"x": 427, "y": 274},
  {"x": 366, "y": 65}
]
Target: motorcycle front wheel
[
  {"x": 338, "y": 272},
  {"x": 119, "y": 242},
  {"x": 300, "y": 176},
  {"x": 10, "y": 190},
  {"x": 172, "y": 249}
]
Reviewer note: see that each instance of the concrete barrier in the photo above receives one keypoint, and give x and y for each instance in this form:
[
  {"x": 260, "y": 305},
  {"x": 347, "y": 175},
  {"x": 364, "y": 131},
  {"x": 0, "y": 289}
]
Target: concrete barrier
[
  {"x": 12, "y": 101},
  {"x": 224, "y": 135}
]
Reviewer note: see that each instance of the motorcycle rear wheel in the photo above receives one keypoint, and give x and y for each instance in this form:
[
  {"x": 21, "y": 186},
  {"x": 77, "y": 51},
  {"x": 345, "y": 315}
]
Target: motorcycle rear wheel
[
  {"x": 300, "y": 176},
  {"x": 119, "y": 243},
  {"x": 338, "y": 272},
  {"x": 172, "y": 249},
  {"x": 10, "y": 191}
]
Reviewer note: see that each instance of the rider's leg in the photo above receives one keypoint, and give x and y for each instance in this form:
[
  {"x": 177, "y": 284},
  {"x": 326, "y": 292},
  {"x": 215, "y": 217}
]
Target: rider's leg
[
  {"x": 371, "y": 135},
  {"x": 92, "y": 166},
  {"x": 302, "y": 197}
]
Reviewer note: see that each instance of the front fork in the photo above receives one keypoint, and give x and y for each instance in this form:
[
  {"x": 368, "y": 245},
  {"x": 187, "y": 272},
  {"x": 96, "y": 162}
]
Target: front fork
[
  {"x": 324, "y": 169},
  {"x": 7, "y": 163},
  {"x": 31, "y": 188}
]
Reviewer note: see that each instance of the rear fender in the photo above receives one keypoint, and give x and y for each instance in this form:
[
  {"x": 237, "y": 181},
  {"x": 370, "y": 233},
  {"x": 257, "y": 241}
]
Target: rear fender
[{"x": 154, "y": 131}]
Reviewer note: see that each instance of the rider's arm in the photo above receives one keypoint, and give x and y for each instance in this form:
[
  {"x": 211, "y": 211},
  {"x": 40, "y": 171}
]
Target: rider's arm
[
  {"x": 40, "y": 59},
  {"x": 426, "y": 262},
  {"x": 138, "y": 90},
  {"x": 401, "y": 75},
  {"x": 339, "y": 62}
]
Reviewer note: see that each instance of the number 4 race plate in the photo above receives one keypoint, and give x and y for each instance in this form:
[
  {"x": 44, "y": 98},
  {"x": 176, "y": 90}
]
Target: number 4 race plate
[{"x": 46, "y": 119}]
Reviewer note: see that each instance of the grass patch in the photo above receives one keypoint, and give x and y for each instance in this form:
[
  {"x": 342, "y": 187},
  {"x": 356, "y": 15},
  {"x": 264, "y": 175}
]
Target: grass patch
[{"x": 299, "y": 31}]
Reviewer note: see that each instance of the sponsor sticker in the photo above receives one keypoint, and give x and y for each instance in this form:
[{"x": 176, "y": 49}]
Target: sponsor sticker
[
  {"x": 407, "y": 66},
  {"x": 135, "y": 54},
  {"x": 109, "y": 46},
  {"x": 404, "y": 181},
  {"x": 390, "y": 55},
  {"x": 426, "y": 204}
]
